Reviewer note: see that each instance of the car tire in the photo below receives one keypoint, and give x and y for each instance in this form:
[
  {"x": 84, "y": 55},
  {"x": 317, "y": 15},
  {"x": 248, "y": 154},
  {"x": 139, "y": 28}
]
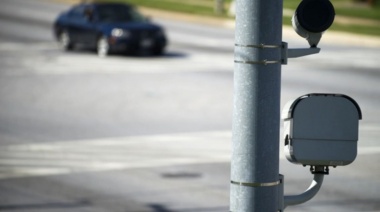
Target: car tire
[
  {"x": 103, "y": 47},
  {"x": 65, "y": 41},
  {"x": 158, "y": 51}
]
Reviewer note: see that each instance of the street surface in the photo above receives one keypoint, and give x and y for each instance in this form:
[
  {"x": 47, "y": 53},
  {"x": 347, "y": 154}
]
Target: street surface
[{"x": 153, "y": 134}]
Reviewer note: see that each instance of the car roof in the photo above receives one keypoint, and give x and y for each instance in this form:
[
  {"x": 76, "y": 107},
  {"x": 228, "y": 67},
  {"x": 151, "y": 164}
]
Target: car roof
[{"x": 105, "y": 3}]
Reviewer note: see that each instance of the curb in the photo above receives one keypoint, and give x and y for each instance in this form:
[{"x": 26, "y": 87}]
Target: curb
[
  {"x": 339, "y": 38},
  {"x": 206, "y": 20},
  {"x": 330, "y": 37}
]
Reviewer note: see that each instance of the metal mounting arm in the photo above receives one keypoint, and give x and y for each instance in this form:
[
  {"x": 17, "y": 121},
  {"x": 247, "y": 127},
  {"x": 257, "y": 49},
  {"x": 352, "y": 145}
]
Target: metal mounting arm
[
  {"x": 293, "y": 53},
  {"x": 309, "y": 193}
]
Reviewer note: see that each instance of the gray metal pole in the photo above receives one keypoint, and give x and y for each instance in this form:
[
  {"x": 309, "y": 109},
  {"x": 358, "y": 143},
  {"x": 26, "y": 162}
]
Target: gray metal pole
[{"x": 256, "y": 112}]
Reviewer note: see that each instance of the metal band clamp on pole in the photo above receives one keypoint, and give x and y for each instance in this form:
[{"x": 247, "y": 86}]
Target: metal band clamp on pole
[
  {"x": 259, "y": 62},
  {"x": 256, "y": 184},
  {"x": 259, "y": 46}
]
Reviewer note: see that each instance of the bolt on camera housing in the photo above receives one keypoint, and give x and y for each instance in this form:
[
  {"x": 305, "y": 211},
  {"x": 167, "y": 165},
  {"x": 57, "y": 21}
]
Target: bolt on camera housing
[{"x": 312, "y": 18}]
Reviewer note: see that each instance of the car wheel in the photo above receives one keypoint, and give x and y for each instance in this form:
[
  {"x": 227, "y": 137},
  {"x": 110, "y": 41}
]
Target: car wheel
[
  {"x": 103, "y": 47},
  {"x": 65, "y": 41}
]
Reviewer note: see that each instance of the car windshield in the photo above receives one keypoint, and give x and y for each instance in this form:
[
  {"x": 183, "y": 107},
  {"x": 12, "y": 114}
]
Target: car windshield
[{"x": 119, "y": 13}]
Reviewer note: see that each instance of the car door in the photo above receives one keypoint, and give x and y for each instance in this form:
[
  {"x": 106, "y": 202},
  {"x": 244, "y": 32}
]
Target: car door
[
  {"x": 75, "y": 22},
  {"x": 89, "y": 31}
]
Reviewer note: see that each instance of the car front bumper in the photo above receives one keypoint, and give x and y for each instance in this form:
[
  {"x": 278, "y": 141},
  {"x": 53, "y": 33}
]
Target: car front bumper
[{"x": 137, "y": 44}]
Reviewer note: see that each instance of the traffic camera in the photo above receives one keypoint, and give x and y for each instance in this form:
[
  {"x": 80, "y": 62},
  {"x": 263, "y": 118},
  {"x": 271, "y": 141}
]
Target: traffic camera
[
  {"x": 321, "y": 130},
  {"x": 312, "y": 18}
]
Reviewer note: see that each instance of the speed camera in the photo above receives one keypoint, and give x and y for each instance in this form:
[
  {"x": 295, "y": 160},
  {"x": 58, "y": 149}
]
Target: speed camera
[{"x": 321, "y": 130}]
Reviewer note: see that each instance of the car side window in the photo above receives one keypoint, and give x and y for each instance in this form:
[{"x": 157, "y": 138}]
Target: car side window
[{"x": 77, "y": 12}]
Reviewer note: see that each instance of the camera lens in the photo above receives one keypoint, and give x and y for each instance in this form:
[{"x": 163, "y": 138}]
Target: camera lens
[{"x": 315, "y": 15}]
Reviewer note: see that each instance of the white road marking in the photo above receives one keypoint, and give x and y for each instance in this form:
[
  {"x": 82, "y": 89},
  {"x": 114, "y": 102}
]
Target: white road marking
[
  {"x": 48, "y": 59},
  {"x": 65, "y": 157},
  {"x": 113, "y": 154},
  {"x": 14, "y": 46}
]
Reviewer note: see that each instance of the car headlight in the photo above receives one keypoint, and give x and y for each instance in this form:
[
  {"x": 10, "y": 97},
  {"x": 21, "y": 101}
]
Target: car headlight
[{"x": 120, "y": 33}]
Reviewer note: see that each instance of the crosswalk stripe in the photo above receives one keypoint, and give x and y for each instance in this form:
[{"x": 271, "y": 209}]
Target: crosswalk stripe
[
  {"x": 63, "y": 63},
  {"x": 65, "y": 157},
  {"x": 113, "y": 154}
]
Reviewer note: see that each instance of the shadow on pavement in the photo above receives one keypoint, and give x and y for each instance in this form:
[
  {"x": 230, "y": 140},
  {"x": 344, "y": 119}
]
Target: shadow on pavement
[
  {"x": 46, "y": 206},
  {"x": 162, "y": 208}
]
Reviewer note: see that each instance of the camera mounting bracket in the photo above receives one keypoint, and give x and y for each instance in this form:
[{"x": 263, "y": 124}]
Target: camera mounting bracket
[{"x": 294, "y": 53}]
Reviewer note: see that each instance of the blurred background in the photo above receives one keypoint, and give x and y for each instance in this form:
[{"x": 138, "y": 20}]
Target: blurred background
[{"x": 148, "y": 133}]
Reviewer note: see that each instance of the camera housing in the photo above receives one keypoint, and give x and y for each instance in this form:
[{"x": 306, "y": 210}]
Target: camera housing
[
  {"x": 312, "y": 18},
  {"x": 321, "y": 130}
]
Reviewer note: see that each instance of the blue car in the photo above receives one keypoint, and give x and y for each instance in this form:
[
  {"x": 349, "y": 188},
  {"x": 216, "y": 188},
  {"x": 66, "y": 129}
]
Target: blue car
[{"x": 109, "y": 28}]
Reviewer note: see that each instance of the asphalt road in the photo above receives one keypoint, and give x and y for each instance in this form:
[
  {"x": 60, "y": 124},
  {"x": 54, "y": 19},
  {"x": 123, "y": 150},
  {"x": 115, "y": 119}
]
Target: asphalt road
[{"x": 138, "y": 134}]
